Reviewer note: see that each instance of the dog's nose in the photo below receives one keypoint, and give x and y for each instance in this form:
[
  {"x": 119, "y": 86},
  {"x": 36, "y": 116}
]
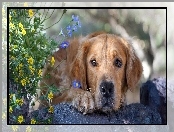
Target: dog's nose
[{"x": 107, "y": 89}]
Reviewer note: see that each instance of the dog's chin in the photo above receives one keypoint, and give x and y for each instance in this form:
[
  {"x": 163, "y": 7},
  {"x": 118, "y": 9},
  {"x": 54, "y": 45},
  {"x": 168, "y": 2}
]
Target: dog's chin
[{"x": 107, "y": 109}]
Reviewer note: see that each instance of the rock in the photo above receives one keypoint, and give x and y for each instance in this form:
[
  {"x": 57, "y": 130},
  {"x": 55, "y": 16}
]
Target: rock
[
  {"x": 153, "y": 94},
  {"x": 65, "y": 113},
  {"x": 132, "y": 114}
]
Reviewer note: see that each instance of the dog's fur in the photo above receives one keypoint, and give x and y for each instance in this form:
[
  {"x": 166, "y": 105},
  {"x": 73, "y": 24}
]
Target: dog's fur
[{"x": 114, "y": 75}]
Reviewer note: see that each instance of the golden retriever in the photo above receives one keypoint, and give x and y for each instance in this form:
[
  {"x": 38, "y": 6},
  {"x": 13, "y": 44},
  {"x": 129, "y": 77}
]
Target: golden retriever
[{"x": 103, "y": 65}]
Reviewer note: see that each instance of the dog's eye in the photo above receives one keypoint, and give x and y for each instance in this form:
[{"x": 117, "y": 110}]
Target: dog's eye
[
  {"x": 118, "y": 63},
  {"x": 93, "y": 62}
]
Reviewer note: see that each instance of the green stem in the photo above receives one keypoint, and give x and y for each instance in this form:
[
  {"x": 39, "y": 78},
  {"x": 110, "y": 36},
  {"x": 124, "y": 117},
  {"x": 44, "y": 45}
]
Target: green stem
[
  {"x": 55, "y": 22},
  {"x": 50, "y": 15}
]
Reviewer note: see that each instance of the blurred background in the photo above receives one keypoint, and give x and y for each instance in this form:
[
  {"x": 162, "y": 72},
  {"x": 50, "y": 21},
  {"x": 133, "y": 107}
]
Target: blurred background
[{"x": 145, "y": 28}]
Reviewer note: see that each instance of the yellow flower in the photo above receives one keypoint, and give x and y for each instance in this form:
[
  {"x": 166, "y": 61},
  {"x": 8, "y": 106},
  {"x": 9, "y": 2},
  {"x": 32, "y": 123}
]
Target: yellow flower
[
  {"x": 19, "y": 101},
  {"x": 10, "y": 109},
  {"x": 23, "y": 81},
  {"x": 52, "y": 61},
  {"x": 25, "y": 4},
  {"x": 15, "y": 128},
  {"x": 23, "y": 32},
  {"x": 33, "y": 121},
  {"x": 51, "y": 109},
  {"x": 20, "y": 66},
  {"x": 20, "y": 119},
  {"x": 50, "y": 95},
  {"x": 28, "y": 129},
  {"x": 30, "y": 61},
  {"x": 3, "y": 115},
  {"x": 31, "y": 69},
  {"x": 12, "y": 26},
  {"x": 30, "y": 13},
  {"x": 40, "y": 72},
  {"x": 21, "y": 26}
]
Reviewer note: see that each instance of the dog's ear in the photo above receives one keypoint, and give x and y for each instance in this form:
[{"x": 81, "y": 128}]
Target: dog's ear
[
  {"x": 78, "y": 67},
  {"x": 133, "y": 69}
]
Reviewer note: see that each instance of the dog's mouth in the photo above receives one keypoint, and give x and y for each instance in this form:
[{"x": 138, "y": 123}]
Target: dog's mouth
[
  {"x": 107, "y": 105},
  {"x": 106, "y": 100}
]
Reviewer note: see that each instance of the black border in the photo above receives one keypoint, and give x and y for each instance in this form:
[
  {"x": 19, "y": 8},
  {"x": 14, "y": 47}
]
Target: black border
[{"x": 76, "y": 8}]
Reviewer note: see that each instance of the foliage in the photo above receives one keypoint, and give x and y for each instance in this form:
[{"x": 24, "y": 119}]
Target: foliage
[{"x": 28, "y": 50}]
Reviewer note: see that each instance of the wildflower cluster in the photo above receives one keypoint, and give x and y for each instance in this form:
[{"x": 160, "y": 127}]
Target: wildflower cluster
[
  {"x": 28, "y": 51},
  {"x": 71, "y": 28}
]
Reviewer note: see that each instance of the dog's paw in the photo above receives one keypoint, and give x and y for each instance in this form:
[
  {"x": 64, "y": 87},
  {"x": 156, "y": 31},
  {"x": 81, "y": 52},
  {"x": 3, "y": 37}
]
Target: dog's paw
[{"x": 84, "y": 102}]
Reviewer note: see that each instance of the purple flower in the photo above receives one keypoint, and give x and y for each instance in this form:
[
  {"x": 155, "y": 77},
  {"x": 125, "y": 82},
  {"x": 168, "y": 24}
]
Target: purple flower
[
  {"x": 69, "y": 31},
  {"x": 76, "y": 84},
  {"x": 75, "y": 18},
  {"x": 68, "y": 28},
  {"x": 64, "y": 44}
]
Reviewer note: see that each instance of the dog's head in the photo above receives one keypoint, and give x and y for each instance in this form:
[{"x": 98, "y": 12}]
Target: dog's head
[{"x": 106, "y": 65}]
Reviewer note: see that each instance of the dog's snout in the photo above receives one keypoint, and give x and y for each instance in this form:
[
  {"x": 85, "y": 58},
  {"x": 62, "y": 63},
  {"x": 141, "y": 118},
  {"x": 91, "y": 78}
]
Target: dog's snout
[{"x": 107, "y": 89}]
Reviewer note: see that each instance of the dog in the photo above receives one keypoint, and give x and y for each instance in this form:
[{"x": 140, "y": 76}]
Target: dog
[{"x": 104, "y": 66}]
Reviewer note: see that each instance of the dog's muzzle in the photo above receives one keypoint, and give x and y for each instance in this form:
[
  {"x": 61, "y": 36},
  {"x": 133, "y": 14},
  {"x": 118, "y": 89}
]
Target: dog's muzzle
[{"x": 107, "y": 95}]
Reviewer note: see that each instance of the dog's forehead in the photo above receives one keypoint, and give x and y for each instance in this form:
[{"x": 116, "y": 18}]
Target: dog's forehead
[{"x": 109, "y": 41}]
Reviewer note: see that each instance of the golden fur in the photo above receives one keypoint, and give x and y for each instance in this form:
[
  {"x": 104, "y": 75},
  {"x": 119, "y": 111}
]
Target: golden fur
[{"x": 118, "y": 76}]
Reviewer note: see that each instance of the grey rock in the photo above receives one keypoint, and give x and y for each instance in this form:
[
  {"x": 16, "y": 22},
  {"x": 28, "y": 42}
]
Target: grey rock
[{"x": 132, "y": 114}]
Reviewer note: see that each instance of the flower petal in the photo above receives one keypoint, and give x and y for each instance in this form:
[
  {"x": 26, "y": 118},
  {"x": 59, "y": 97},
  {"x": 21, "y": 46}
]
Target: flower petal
[{"x": 76, "y": 84}]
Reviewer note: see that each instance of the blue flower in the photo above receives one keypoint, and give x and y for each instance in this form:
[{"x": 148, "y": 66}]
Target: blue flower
[
  {"x": 64, "y": 44},
  {"x": 75, "y": 18},
  {"x": 69, "y": 30},
  {"x": 70, "y": 33},
  {"x": 76, "y": 84}
]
